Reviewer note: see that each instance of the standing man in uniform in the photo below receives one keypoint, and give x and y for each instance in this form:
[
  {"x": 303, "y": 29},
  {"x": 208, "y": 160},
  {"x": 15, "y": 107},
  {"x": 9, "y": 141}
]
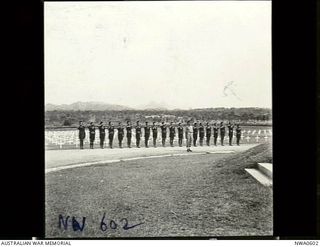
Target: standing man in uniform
[
  {"x": 120, "y": 134},
  {"x": 215, "y": 133},
  {"x": 208, "y": 133},
  {"x": 163, "y": 133},
  {"x": 129, "y": 133},
  {"x": 195, "y": 134},
  {"x": 138, "y": 134},
  {"x": 154, "y": 134},
  {"x": 172, "y": 133},
  {"x": 92, "y": 134},
  {"x": 222, "y": 132},
  {"x": 111, "y": 134},
  {"x": 238, "y": 134},
  {"x": 201, "y": 134},
  {"x": 102, "y": 133},
  {"x": 82, "y": 133},
  {"x": 189, "y": 132},
  {"x": 230, "y": 132},
  {"x": 180, "y": 134},
  {"x": 146, "y": 134}
]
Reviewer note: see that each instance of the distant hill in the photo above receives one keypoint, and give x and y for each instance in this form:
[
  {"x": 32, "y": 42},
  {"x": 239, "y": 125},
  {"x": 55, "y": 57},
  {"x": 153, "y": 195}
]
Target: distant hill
[
  {"x": 86, "y": 106},
  {"x": 162, "y": 106}
]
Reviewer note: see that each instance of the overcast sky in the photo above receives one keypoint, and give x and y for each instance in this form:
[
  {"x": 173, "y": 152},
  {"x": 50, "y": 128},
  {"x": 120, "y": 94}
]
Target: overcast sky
[{"x": 181, "y": 54}]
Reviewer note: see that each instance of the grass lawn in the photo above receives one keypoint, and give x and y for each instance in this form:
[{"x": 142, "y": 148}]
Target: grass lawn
[{"x": 203, "y": 195}]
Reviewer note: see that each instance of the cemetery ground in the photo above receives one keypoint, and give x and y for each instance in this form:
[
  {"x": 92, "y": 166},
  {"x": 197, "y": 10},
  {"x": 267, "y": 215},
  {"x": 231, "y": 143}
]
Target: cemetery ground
[{"x": 178, "y": 196}]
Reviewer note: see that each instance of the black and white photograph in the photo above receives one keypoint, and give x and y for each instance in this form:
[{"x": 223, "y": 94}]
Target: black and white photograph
[{"x": 158, "y": 119}]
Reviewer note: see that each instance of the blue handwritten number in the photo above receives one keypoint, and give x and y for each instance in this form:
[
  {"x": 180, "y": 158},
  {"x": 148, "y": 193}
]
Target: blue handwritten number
[
  {"x": 103, "y": 226},
  {"x": 126, "y": 226},
  {"x": 113, "y": 224}
]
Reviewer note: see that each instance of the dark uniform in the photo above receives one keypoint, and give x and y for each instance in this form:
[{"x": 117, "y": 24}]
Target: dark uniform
[
  {"x": 102, "y": 134},
  {"x": 172, "y": 133},
  {"x": 138, "y": 135},
  {"x": 129, "y": 134},
  {"x": 230, "y": 133},
  {"x": 222, "y": 133},
  {"x": 120, "y": 135},
  {"x": 154, "y": 134},
  {"x": 208, "y": 134},
  {"x": 180, "y": 135},
  {"x": 111, "y": 135},
  {"x": 215, "y": 134},
  {"x": 238, "y": 134},
  {"x": 146, "y": 135},
  {"x": 163, "y": 134},
  {"x": 92, "y": 134},
  {"x": 82, "y": 134},
  {"x": 195, "y": 134},
  {"x": 201, "y": 134}
]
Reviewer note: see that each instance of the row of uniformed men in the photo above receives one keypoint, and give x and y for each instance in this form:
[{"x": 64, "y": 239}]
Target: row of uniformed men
[{"x": 196, "y": 128}]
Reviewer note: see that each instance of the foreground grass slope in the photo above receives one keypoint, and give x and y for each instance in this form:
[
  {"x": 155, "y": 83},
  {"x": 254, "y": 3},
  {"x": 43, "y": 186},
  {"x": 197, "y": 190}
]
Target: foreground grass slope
[{"x": 203, "y": 195}]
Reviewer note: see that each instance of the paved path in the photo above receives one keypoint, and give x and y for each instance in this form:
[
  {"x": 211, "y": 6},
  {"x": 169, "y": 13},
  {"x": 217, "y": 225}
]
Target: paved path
[{"x": 56, "y": 159}]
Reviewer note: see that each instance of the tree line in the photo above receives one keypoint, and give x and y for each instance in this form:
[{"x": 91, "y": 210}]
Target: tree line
[{"x": 242, "y": 115}]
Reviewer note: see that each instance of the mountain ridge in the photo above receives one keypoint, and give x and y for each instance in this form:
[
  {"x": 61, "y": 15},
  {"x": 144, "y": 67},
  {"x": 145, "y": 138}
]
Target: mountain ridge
[
  {"x": 85, "y": 106},
  {"x": 152, "y": 106}
]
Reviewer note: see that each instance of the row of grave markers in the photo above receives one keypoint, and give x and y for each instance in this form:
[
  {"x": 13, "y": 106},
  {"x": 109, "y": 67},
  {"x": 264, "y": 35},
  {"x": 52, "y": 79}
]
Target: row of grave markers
[{"x": 61, "y": 138}]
